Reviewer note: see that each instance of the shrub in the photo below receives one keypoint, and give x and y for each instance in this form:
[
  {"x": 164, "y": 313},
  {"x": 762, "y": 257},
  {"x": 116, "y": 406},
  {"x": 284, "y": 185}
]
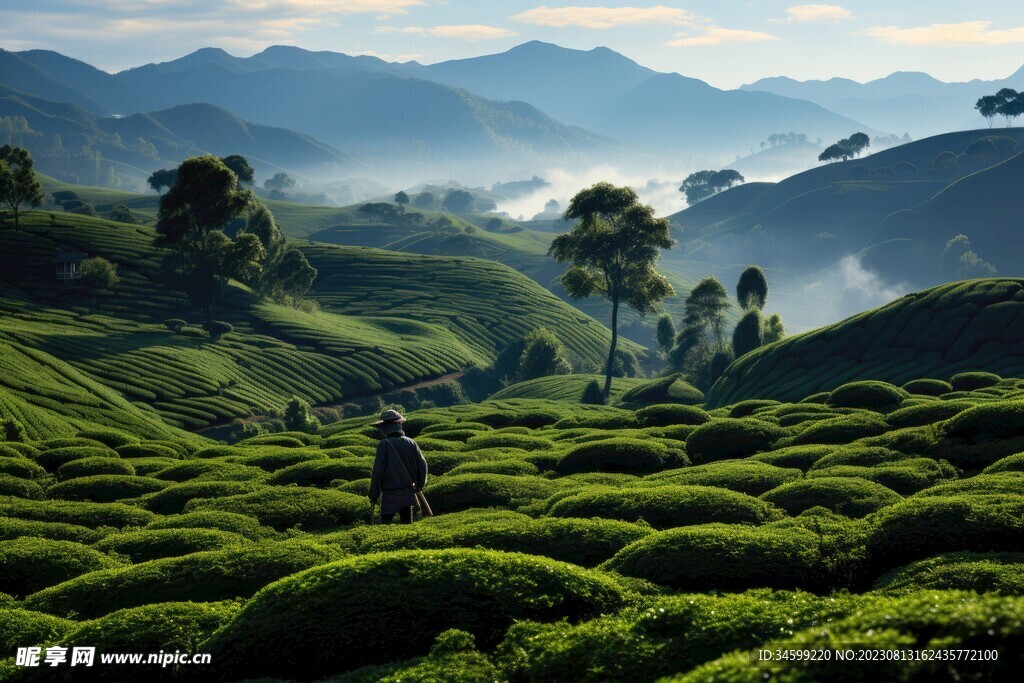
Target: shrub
[
  {"x": 175, "y": 325},
  {"x": 610, "y": 418},
  {"x": 209, "y": 470},
  {"x": 625, "y": 455},
  {"x": 199, "y": 577},
  {"x": 862, "y": 456},
  {"x": 519, "y": 468},
  {"x": 928, "y": 387},
  {"x": 800, "y": 457},
  {"x": 459, "y": 492},
  {"x": 847, "y": 496},
  {"x": 920, "y": 527},
  {"x": 298, "y": 417},
  {"x": 173, "y": 499},
  {"x": 722, "y": 557},
  {"x": 745, "y": 476},
  {"x": 90, "y": 515},
  {"x": 730, "y": 438},
  {"x": 593, "y": 394},
  {"x": 12, "y": 430},
  {"x": 904, "y": 477},
  {"x": 452, "y": 657},
  {"x": 840, "y": 430},
  {"x": 927, "y": 413},
  {"x": 503, "y": 439},
  {"x": 168, "y": 626},
  {"x": 672, "y": 388},
  {"x": 218, "y": 328},
  {"x": 1002, "y": 482},
  {"x": 284, "y": 507},
  {"x": 11, "y": 528},
  {"x": 224, "y": 521},
  {"x": 969, "y": 381},
  {"x": 420, "y": 593},
  {"x": 108, "y": 438},
  {"x": 660, "y": 636},
  {"x": 979, "y": 572},
  {"x": 1011, "y": 463},
  {"x": 321, "y": 473},
  {"x": 19, "y": 488},
  {"x": 53, "y": 458},
  {"x": 663, "y": 414},
  {"x": 148, "y": 450},
  {"x": 23, "y": 468},
  {"x": 30, "y": 564},
  {"x": 881, "y": 397},
  {"x": 90, "y": 467},
  {"x": 749, "y": 407},
  {"x": 152, "y": 544},
  {"x": 664, "y": 507},
  {"x": 105, "y": 488}
]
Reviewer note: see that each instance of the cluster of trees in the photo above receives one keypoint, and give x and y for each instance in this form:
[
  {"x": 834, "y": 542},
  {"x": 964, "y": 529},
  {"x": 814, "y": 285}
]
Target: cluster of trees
[
  {"x": 891, "y": 140},
  {"x": 19, "y": 186},
  {"x": 703, "y": 184},
  {"x": 701, "y": 349},
  {"x": 239, "y": 165},
  {"x": 1007, "y": 103},
  {"x": 613, "y": 248},
  {"x": 847, "y": 148},
  {"x": 960, "y": 262},
  {"x": 790, "y": 138},
  {"x": 203, "y": 205}
]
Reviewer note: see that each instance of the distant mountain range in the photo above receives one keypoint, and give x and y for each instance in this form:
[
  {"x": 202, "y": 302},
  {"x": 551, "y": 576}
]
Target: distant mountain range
[{"x": 905, "y": 101}]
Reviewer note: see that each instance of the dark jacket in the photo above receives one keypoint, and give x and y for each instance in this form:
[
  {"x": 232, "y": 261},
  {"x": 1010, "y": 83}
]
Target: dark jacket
[{"x": 388, "y": 475}]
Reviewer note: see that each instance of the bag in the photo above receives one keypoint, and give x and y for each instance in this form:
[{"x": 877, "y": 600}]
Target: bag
[{"x": 421, "y": 500}]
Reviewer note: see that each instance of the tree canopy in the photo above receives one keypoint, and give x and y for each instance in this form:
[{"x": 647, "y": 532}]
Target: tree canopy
[
  {"x": 280, "y": 182},
  {"x": 700, "y": 185},
  {"x": 847, "y": 148},
  {"x": 457, "y": 201},
  {"x": 19, "y": 185},
  {"x": 752, "y": 288},
  {"x": 613, "y": 249}
]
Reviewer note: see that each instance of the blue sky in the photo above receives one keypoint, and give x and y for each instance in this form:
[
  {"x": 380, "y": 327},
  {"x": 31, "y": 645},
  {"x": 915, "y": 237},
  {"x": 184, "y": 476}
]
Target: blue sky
[{"x": 725, "y": 43}]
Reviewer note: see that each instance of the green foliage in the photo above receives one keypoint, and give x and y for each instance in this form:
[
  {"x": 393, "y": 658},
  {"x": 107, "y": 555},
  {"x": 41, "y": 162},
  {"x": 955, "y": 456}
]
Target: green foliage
[
  {"x": 928, "y": 387},
  {"x": 969, "y": 381},
  {"x": 285, "y": 507},
  {"x": 151, "y": 544},
  {"x": 730, "y": 438},
  {"x": 31, "y": 564},
  {"x": 173, "y": 499},
  {"x": 752, "y": 290},
  {"x": 669, "y": 389},
  {"x": 1011, "y": 463},
  {"x": 749, "y": 333},
  {"x": 53, "y": 458},
  {"x": 21, "y": 628},
  {"x": 618, "y": 454},
  {"x": 904, "y": 477},
  {"x": 666, "y": 506},
  {"x": 320, "y": 473},
  {"x": 542, "y": 355},
  {"x": 847, "y": 496},
  {"x": 451, "y": 493},
  {"x": 92, "y": 515},
  {"x": 878, "y": 396},
  {"x": 11, "y": 528},
  {"x": 89, "y": 467},
  {"x": 99, "y": 273},
  {"x": 840, "y": 430},
  {"x": 19, "y": 488},
  {"x": 980, "y": 572},
  {"x": 592, "y": 394},
  {"x": 745, "y": 476},
  {"x": 298, "y": 418},
  {"x": 199, "y": 577},
  {"x": 18, "y": 183},
  {"x": 422, "y": 593},
  {"x": 927, "y": 413},
  {"x": 723, "y": 557},
  {"x": 662, "y": 415},
  {"x": 105, "y": 488}
]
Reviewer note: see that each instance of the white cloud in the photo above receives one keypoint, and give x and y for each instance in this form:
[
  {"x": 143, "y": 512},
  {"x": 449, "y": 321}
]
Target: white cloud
[
  {"x": 821, "y": 14},
  {"x": 328, "y": 6},
  {"x": 964, "y": 33},
  {"x": 470, "y": 32},
  {"x": 603, "y": 17},
  {"x": 714, "y": 35}
]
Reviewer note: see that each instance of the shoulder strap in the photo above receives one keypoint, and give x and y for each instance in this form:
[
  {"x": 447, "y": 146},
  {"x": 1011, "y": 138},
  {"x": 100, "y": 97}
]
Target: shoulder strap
[{"x": 398, "y": 457}]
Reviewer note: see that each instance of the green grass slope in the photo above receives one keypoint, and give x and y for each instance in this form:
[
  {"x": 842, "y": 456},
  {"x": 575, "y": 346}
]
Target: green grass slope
[
  {"x": 564, "y": 387},
  {"x": 971, "y": 325},
  {"x": 387, "y": 320}
]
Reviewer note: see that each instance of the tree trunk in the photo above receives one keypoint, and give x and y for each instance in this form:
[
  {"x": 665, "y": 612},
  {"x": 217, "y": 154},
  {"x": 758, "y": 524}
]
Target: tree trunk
[{"x": 611, "y": 353}]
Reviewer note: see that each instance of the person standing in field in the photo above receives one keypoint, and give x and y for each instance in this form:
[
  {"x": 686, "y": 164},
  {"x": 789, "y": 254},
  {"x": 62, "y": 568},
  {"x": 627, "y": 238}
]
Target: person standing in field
[{"x": 399, "y": 471}]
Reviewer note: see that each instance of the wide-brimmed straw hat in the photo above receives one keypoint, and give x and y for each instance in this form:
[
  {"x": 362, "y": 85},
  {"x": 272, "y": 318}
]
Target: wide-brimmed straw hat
[{"x": 389, "y": 417}]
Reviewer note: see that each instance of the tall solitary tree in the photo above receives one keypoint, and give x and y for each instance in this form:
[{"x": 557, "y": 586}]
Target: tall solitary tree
[
  {"x": 18, "y": 183},
  {"x": 749, "y": 333},
  {"x": 988, "y": 107},
  {"x": 706, "y": 306},
  {"x": 665, "y": 334},
  {"x": 752, "y": 289},
  {"x": 613, "y": 249},
  {"x": 193, "y": 214},
  {"x": 457, "y": 201},
  {"x": 401, "y": 198}
]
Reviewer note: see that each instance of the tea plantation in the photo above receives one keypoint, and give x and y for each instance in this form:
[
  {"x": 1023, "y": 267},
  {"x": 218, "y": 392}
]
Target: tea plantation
[{"x": 571, "y": 542}]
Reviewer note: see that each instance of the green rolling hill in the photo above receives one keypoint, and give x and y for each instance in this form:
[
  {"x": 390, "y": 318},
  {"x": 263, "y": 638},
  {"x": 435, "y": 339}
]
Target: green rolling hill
[
  {"x": 387, "y": 320},
  {"x": 958, "y": 327}
]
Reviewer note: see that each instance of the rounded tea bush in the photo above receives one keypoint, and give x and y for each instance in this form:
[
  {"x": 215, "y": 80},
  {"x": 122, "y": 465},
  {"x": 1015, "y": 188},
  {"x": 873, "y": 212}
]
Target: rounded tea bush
[
  {"x": 745, "y": 476},
  {"x": 451, "y": 493},
  {"x": 980, "y": 572},
  {"x": 90, "y": 467},
  {"x": 921, "y": 527},
  {"x": 320, "y": 473},
  {"x": 873, "y": 395},
  {"x": 512, "y": 467},
  {"x": 173, "y": 499},
  {"x": 846, "y": 496},
  {"x": 153, "y": 544},
  {"x": 209, "y": 470},
  {"x": 504, "y": 439},
  {"x": 800, "y": 457},
  {"x": 665, "y": 414},
  {"x": 625, "y": 455},
  {"x": 664, "y": 507},
  {"x": 329, "y": 619},
  {"x": 23, "y": 468},
  {"x": 19, "y": 488},
  {"x": 905, "y": 477},
  {"x": 969, "y": 381},
  {"x": 749, "y": 407},
  {"x": 199, "y": 577},
  {"x": 840, "y": 430},
  {"x": 723, "y": 557},
  {"x": 92, "y": 515},
  {"x": 111, "y": 439},
  {"x": 862, "y": 456},
  {"x": 148, "y": 450},
  {"x": 981, "y": 484},
  {"x": 730, "y": 438},
  {"x": 285, "y": 507},
  {"x": 57, "y": 531},
  {"x": 21, "y": 628},
  {"x": 224, "y": 521},
  {"x": 274, "y": 459},
  {"x": 927, "y": 413},
  {"x": 30, "y": 564},
  {"x": 105, "y": 488},
  {"x": 927, "y": 387},
  {"x": 55, "y": 457},
  {"x": 1011, "y": 463}
]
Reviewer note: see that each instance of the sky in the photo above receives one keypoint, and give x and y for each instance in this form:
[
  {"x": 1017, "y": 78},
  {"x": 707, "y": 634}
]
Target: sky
[{"x": 724, "y": 42}]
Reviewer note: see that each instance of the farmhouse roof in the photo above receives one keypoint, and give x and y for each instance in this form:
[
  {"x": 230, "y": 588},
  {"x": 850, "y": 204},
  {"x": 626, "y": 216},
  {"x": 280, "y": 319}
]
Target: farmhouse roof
[{"x": 70, "y": 257}]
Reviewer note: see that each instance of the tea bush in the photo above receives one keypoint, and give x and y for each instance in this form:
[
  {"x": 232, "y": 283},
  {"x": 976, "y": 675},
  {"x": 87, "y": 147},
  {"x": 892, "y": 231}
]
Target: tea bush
[
  {"x": 224, "y": 521},
  {"x": 30, "y": 564},
  {"x": 662, "y": 415},
  {"x": 451, "y": 493},
  {"x": 105, "y": 488},
  {"x": 92, "y": 515},
  {"x": 847, "y": 496},
  {"x": 730, "y": 438},
  {"x": 745, "y": 476},
  {"x": 90, "y": 467},
  {"x": 980, "y": 572},
  {"x": 153, "y": 544},
  {"x": 285, "y": 507},
  {"x": 871, "y": 395},
  {"x": 614, "y": 455}
]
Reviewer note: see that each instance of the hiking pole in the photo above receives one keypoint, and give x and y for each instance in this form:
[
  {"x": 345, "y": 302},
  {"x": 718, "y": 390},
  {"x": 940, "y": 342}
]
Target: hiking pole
[{"x": 423, "y": 504}]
